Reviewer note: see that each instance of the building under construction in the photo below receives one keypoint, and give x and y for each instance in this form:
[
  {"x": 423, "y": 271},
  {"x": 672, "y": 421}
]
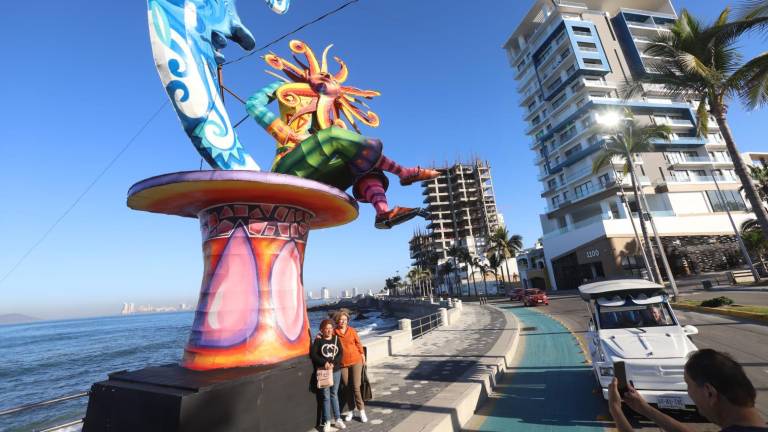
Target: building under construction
[{"x": 462, "y": 208}]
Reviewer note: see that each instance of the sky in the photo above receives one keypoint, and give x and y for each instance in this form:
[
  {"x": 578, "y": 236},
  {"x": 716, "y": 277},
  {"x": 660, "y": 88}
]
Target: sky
[{"x": 79, "y": 82}]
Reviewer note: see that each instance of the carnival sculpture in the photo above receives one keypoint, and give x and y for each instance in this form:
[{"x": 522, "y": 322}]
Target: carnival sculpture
[{"x": 255, "y": 224}]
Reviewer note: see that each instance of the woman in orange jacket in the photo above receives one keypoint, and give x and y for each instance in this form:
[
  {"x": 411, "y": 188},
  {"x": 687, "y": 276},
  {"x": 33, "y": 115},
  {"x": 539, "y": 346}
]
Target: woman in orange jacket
[{"x": 352, "y": 361}]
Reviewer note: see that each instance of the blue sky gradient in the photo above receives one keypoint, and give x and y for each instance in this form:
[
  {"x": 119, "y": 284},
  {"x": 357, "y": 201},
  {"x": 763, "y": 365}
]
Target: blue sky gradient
[{"x": 79, "y": 81}]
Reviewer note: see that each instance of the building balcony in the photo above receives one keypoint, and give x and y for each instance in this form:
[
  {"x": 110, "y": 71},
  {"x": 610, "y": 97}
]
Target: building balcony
[
  {"x": 683, "y": 161},
  {"x": 698, "y": 179},
  {"x": 680, "y": 141}
]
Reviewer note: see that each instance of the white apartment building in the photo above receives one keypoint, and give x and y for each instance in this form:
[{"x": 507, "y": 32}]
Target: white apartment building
[{"x": 570, "y": 59}]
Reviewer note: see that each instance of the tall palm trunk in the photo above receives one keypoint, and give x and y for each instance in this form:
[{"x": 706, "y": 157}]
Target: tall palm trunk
[
  {"x": 472, "y": 272},
  {"x": 485, "y": 283},
  {"x": 643, "y": 228},
  {"x": 719, "y": 112}
]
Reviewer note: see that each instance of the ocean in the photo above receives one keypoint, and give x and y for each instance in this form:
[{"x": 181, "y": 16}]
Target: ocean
[{"x": 43, "y": 360}]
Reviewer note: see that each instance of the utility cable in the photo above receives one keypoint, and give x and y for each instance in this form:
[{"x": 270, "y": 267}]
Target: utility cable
[
  {"x": 87, "y": 189},
  {"x": 143, "y": 127},
  {"x": 294, "y": 31}
]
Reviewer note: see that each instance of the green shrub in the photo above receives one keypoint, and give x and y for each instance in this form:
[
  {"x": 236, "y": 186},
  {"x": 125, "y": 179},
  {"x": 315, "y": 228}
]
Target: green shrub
[{"x": 717, "y": 302}]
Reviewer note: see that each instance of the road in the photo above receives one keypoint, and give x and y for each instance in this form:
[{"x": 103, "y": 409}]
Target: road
[{"x": 746, "y": 341}]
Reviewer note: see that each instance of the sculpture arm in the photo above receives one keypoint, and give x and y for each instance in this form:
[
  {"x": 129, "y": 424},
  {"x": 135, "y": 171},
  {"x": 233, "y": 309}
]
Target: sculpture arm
[{"x": 256, "y": 106}]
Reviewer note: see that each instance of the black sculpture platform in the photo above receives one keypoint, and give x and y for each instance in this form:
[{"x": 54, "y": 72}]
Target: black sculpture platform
[{"x": 173, "y": 399}]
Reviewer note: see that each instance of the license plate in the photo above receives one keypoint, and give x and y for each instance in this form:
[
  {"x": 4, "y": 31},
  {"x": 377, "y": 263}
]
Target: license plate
[
  {"x": 670, "y": 402},
  {"x": 540, "y": 301}
]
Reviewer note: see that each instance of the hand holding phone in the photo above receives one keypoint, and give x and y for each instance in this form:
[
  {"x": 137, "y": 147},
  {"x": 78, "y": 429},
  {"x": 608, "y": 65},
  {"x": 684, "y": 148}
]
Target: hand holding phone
[{"x": 620, "y": 372}]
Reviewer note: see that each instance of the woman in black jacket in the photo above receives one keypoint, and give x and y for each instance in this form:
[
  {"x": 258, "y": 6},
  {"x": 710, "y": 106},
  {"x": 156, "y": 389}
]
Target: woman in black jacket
[{"x": 326, "y": 354}]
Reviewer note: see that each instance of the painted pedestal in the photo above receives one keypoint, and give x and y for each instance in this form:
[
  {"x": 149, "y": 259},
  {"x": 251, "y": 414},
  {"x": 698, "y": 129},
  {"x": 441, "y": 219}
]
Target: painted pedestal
[{"x": 254, "y": 228}]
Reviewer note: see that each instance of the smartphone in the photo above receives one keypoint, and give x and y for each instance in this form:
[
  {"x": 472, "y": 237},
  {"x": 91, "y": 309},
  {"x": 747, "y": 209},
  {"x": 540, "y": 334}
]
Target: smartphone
[{"x": 620, "y": 372}]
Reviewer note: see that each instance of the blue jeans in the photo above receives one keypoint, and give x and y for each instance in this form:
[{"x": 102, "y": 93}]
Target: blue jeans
[{"x": 331, "y": 399}]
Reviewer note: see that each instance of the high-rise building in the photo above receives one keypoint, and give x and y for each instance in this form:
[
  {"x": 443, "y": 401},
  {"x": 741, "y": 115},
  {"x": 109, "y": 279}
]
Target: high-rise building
[
  {"x": 325, "y": 294},
  {"x": 570, "y": 59},
  {"x": 355, "y": 292},
  {"x": 462, "y": 208}
]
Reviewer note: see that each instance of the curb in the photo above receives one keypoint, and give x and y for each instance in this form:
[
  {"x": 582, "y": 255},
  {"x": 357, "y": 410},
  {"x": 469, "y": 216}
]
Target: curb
[
  {"x": 450, "y": 410},
  {"x": 718, "y": 311}
]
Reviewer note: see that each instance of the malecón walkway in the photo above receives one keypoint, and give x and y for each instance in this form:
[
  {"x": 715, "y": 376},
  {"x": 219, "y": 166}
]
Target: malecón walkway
[{"x": 549, "y": 388}]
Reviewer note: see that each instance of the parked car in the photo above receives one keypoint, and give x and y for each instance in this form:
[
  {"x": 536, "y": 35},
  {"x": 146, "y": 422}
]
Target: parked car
[
  {"x": 535, "y": 297},
  {"x": 632, "y": 321},
  {"x": 517, "y": 294}
]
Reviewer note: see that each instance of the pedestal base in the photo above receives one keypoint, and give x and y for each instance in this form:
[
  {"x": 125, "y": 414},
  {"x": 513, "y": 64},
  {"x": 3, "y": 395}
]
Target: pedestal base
[{"x": 174, "y": 399}]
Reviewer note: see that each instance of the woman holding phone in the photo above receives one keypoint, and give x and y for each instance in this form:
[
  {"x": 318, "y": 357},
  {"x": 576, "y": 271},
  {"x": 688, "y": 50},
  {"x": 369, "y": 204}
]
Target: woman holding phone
[
  {"x": 352, "y": 362},
  {"x": 326, "y": 354}
]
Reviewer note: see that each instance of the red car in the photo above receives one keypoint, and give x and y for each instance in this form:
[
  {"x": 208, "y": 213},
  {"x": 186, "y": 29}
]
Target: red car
[
  {"x": 534, "y": 297},
  {"x": 517, "y": 295}
]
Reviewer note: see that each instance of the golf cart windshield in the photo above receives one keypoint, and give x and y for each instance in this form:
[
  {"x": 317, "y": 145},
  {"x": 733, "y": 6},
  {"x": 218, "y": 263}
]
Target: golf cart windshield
[{"x": 633, "y": 315}]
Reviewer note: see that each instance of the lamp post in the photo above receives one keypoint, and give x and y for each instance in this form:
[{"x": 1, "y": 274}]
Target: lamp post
[{"x": 743, "y": 248}]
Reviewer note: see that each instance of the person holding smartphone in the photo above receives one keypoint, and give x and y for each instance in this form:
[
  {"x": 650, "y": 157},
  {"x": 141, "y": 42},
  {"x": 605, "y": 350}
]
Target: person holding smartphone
[
  {"x": 717, "y": 385},
  {"x": 326, "y": 353}
]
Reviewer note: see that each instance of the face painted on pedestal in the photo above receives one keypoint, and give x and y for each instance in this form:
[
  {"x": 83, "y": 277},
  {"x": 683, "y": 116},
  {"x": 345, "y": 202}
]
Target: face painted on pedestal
[
  {"x": 327, "y": 331},
  {"x": 343, "y": 322}
]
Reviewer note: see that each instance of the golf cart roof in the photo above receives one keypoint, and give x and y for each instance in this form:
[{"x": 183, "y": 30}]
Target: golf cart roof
[{"x": 613, "y": 287}]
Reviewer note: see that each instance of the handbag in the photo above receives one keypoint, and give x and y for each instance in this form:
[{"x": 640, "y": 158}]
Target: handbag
[
  {"x": 324, "y": 378},
  {"x": 365, "y": 385}
]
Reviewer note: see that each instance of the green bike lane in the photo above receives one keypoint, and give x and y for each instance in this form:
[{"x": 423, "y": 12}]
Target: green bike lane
[{"x": 550, "y": 387}]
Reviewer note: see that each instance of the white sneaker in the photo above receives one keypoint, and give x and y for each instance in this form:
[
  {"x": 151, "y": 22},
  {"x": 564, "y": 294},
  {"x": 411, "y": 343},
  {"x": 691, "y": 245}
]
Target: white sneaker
[
  {"x": 327, "y": 427},
  {"x": 348, "y": 416},
  {"x": 340, "y": 424},
  {"x": 363, "y": 417}
]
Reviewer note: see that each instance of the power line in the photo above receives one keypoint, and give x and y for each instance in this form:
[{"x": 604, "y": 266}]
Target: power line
[
  {"x": 296, "y": 30},
  {"x": 87, "y": 189}
]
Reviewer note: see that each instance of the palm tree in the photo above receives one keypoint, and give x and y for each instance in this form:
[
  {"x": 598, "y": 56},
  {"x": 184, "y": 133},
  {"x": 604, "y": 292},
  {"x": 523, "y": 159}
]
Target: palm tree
[
  {"x": 701, "y": 62},
  {"x": 623, "y": 145},
  {"x": 447, "y": 268},
  {"x": 465, "y": 257},
  {"x": 481, "y": 264},
  {"x": 506, "y": 245},
  {"x": 755, "y": 241},
  {"x": 760, "y": 177},
  {"x": 494, "y": 264},
  {"x": 455, "y": 253}
]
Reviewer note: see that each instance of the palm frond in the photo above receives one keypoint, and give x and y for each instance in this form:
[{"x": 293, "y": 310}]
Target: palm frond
[
  {"x": 752, "y": 9},
  {"x": 751, "y": 81}
]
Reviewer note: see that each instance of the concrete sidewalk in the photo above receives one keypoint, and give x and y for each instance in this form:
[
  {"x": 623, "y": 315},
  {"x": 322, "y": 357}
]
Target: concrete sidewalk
[{"x": 437, "y": 383}]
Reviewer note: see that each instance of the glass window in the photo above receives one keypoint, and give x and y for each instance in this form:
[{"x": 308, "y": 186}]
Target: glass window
[
  {"x": 572, "y": 150},
  {"x": 587, "y": 46},
  {"x": 730, "y": 199},
  {"x": 583, "y": 189},
  {"x": 582, "y": 31},
  {"x": 593, "y": 63},
  {"x": 634, "y": 316}
]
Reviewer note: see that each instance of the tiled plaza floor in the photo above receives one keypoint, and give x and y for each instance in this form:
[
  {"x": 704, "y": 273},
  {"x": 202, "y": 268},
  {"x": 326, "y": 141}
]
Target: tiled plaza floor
[{"x": 404, "y": 382}]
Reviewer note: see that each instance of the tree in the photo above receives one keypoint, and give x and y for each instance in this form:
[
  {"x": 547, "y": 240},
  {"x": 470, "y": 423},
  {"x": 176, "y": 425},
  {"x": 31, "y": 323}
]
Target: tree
[
  {"x": 630, "y": 139},
  {"x": 465, "y": 257},
  {"x": 755, "y": 241},
  {"x": 760, "y": 177},
  {"x": 483, "y": 266},
  {"x": 448, "y": 268},
  {"x": 700, "y": 62},
  {"x": 494, "y": 264},
  {"x": 455, "y": 253},
  {"x": 505, "y": 245}
]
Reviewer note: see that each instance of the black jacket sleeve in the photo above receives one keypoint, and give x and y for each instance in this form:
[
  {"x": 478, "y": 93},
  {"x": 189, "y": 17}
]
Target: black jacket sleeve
[{"x": 315, "y": 355}]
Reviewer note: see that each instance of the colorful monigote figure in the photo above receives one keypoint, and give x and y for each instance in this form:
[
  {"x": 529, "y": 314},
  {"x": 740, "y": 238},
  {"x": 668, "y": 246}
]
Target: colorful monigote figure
[
  {"x": 314, "y": 140},
  {"x": 187, "y": 36}
]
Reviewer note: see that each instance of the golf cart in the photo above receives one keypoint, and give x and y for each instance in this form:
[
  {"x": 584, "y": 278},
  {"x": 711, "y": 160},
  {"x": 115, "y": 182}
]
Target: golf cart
[{"x": 632, "y": 322}]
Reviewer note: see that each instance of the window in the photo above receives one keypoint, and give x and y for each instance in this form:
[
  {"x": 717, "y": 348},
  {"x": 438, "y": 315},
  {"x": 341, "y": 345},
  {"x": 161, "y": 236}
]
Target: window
[
  {"x": 570, "y": 69},
  {"x": 531, "y": 106},
  {"x": 592, "y": 140},
  {"x": 557, "y": 102},
  {"x": 565, "y": 196},
  {"x": 604, "y": 180},
  {"x": 680, "y": 175},
  {"x": 698, "y": 175},
  {"x": 633, "y": 265},
  {"x": 536, "y": 120},
  {"x": 729, "y": 199},
  {"x": 555, "y": 201},
  {"x": 572, "y": 150},
  {"x": 568, "y": 134},
  {"x": 583, "y": 189},
  {"x": 587, "y": 46},
  {"x": 551, "y": 184},
  {"x": 593, "y": 63},
  {"x": 554, "y": 84},
  {"x": 564, "y": 54},
  {"x": 582, "y": 31}
]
